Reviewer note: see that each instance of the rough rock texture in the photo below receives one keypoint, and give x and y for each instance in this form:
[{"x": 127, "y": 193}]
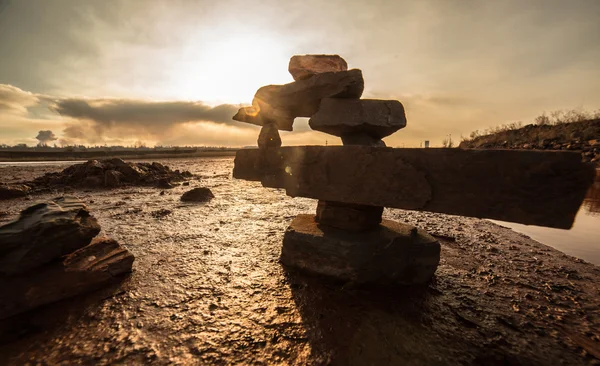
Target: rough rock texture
[
  {"x": 305, "y": 66},
  {"x": 112, "y": 178},
  {"x": 346, "y": 117},
  {"x": 84, "y": 270},
  {"x": 348, "y": 216},
  {"x": 393, "y": 253},
  {"x": 109, "y": 173},
  {"x": 8, "y": 191},
  {"x": 45, "y": 232},
  {"x": 269, "y": 137},
  {"x": 280, "y": 104},
  {"x": 164, "y": 183},
  {"x": 200, "y": 194},
  {"x": 529, "y": 187}
]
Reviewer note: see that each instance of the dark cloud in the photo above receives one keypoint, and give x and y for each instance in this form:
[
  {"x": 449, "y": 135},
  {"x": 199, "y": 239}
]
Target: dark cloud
[
  {"x": 144, "y": 116},
  {"x": 101, "y": 120},
  {"x": 45, "y": 136}
]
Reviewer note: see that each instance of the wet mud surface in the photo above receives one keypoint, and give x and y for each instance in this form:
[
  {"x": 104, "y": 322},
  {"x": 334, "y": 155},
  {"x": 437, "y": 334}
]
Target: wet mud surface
[{"x": 208, "y": 288}]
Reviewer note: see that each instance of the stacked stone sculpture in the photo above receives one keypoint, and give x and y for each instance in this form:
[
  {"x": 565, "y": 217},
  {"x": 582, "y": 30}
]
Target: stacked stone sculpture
[
  {"x": 344, "y": 240},
  {"x": 347, "y": 238}
]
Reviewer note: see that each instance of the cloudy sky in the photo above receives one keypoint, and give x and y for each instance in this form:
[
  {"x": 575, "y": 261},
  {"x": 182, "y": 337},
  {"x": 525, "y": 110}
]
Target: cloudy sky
[{"x": 174, "y": 72}]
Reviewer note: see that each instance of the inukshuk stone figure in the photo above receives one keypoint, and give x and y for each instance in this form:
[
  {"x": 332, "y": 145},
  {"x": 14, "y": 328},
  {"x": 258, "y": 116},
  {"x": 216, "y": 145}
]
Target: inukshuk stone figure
[{"x": 347, "y": 238}]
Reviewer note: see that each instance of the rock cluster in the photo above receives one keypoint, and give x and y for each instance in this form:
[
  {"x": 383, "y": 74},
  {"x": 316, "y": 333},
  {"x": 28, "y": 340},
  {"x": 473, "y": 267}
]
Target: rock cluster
[
  {"x": 344, "y": 240},
  {"x": 582, "y": 136},
  {"x": 108, "y": 173},
  {"x": 49, "y": 253}
]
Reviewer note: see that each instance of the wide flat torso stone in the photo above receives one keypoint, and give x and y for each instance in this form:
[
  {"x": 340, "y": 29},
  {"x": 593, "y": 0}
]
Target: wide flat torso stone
[
  {"x": 348, "y": 117},
  {"x": 305, "y": 66},
  {"x": 280, "y": 104}
]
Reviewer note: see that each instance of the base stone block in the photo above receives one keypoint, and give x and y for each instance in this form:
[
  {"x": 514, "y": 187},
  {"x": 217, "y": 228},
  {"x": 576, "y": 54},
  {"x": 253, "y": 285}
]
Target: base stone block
[{"x": 393, "y": 253}]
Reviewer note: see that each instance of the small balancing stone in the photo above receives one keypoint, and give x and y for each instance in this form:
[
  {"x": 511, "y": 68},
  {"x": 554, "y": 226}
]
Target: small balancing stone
[
  {"x": 269, "y": 136},
  {"x": 391, "y": 254},
  {"x": 305, "y": 66}
]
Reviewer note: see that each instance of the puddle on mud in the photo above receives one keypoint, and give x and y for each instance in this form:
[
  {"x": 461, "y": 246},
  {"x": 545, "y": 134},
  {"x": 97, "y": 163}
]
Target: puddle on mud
[{"x": 582, "y": 240}]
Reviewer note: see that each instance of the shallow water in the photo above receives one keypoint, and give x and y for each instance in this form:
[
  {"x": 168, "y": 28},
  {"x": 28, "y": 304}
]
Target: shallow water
[
  {"x": 582, "y": 240},
  {"x": 35, "y": 163}
]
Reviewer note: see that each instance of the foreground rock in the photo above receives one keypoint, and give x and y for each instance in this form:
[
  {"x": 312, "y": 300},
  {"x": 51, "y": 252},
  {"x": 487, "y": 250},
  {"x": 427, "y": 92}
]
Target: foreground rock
[
  {"x": 98, "y": 264},
  {"x": 305, "y": 66},
  {"x": 349, "y": 117},
  {"x": 280, "y": 104},
  {"x": 45, "y": 232},
  {"x": 391, "y": 254},
  {"x": 517, "y": 186},
  {"x": 109, "y": 173},
  {"x": 49, "y": 254},
  {"x": 201, "y": 194}
]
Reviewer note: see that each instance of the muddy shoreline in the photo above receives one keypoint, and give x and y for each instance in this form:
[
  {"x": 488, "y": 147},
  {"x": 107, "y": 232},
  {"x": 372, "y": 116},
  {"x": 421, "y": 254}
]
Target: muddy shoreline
[
  {"x": 208, "y": 288},
  {"x": 16, "y": 156}
]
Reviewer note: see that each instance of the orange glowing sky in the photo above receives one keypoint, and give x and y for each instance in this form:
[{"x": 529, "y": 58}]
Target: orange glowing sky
[{"x": 173, "y": 73}]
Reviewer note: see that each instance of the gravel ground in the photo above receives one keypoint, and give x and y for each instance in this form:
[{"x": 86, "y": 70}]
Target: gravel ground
[{"x": 207, "y": 288}]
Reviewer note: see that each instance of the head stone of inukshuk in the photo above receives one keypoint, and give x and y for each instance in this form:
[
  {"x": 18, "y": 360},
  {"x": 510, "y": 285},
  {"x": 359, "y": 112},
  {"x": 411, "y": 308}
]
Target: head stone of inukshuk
[{"x": 327, "y": 92}]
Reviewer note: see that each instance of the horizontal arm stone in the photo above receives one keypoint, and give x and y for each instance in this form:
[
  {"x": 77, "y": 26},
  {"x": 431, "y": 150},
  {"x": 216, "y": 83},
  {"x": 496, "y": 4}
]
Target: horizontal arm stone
[{"x": 528, "y": 187}]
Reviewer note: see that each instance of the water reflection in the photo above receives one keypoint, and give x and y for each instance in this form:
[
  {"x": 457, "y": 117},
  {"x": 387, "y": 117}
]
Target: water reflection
[
  {"x": 583, "y": 239},
  {"x": 592, "y": 200}
]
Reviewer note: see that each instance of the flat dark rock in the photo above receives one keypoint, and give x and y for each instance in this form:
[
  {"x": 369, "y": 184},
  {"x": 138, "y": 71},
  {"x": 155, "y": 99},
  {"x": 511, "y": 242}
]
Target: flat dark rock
[
  {"x": 280, "y": 104},
  {"x": 528, "y": 187},
  {"x": 200, "y": 194},
  {"x": 393, "y": 253},
  {"x": 45, "y": 232},
  {"x": 347, "y": 117}
]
